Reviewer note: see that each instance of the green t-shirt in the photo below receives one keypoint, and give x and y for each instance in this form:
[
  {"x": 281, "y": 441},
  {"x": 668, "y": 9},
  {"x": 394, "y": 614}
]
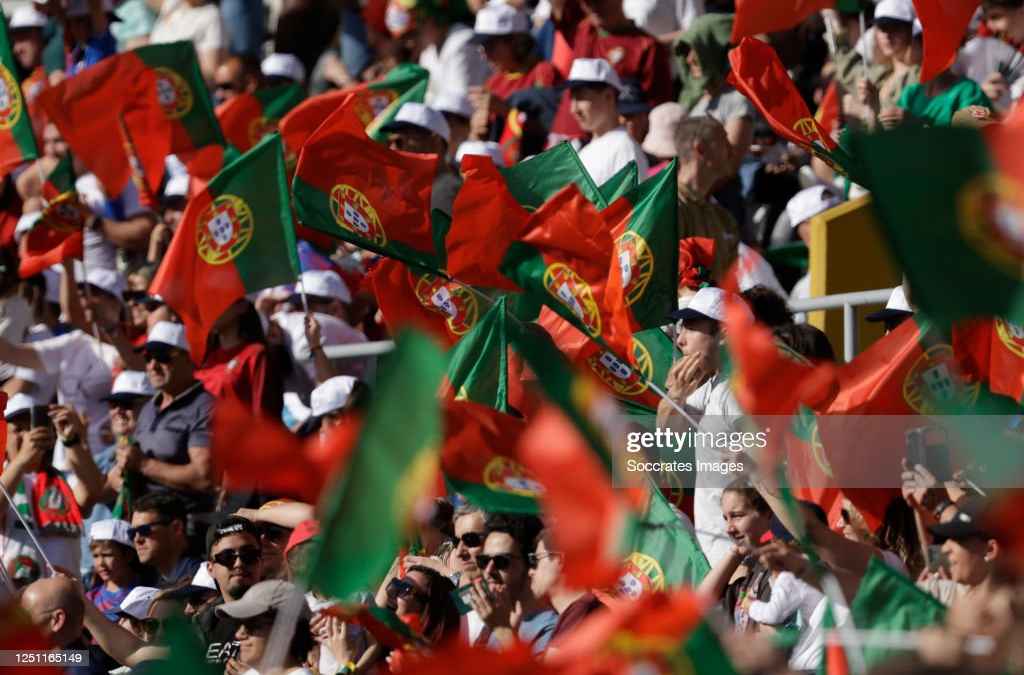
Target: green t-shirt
[{"x": 938, "y": 111}]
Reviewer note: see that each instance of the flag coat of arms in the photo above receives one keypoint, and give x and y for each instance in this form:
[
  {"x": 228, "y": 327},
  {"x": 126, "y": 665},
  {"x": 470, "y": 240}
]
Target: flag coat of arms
[
  {"x": 58, "y": 234},
  {"x": 17, "y": 140},
  {"x": 236, "y": 236},
  {"x": 248, "y": 117}
]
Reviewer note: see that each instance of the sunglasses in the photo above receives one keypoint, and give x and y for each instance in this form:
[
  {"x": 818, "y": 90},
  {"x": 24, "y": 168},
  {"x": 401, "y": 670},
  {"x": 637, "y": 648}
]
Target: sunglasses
[
  {"x": 274, "y": 532},
  {"x": 402, "y": 588},
  {"x": 225, "y": 86},
  {"x": 248, "y": 555},
  {"x": 164, "y": 356},
  {"x": 534, "y": 558},
  {"x": 258, "y": 624},
  {"x": 471, "y": 539},
  {"x": 502, "y": 561},
  {"x": 145, "y": 530}
]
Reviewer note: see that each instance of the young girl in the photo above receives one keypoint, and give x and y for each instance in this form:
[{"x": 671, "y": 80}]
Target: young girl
[{"x": 114, "y": 565}]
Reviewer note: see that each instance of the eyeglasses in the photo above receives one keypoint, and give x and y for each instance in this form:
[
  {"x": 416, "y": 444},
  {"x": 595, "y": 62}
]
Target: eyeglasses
[
  {"x": 164, "y": 356},
  {"x": 534, "y": 558},
  {"x": 248, "y": 555},
  {"x": 501, "y": 561},
  {"x": 145, "y": 530},
  {"x": 471, "y": 539},
  {"x": 403, "y": 588}
]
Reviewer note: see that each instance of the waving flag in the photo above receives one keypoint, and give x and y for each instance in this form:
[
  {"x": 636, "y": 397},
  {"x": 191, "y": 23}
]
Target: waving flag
[
  {"x": 624, "y": 180},
  {"x": 17, "y": 140},
  {"x": 478, "y": 365},
  {"x": 943, "y": 26},
  {"x": 58, "y": 234},
  {"x": 235, "y": 237},
  {"x": 248, "y": 117},
  {"x": 769, "y": 16},
  {"x": 992, "y": 351}
]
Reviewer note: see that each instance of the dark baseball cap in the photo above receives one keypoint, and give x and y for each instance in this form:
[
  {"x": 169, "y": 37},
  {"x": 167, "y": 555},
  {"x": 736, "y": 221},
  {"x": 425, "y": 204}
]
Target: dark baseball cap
[
  {"x": 967, "y": 523},
  {"x": 227, "y": 527}
]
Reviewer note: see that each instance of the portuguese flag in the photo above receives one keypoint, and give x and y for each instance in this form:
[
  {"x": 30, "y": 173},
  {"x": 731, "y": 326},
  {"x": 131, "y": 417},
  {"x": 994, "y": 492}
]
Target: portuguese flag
[
  {"x": 409, "y": 295},
  {"x": 943, "y": 26},
  {"x": 769, "y": 16},
  {"x": 153, "y": 99},
  {"x": 624, "y": 180},
  {"x": 480, "y": 459},
  {"x": 644, "y": 273},
  {"x": 992, "y": 351},
  {"x": 478, "y": 365},
  {"x": 368, "y": 516},
  {"x": 830, "y": 110},
  {"x": 235, "y": 237},
  {"x": 415, "y": 91},
  {"x": 536, "y": 180},
  {"x": 956, "y": 189},
  {"x": 249, "y": 117},
  {"x": 17, "y": 140},
  {"x": 58, "y": 234},
  {"x": 351, "y": 187}
]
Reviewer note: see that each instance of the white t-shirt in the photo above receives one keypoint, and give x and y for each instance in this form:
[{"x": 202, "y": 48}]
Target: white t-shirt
[
  {"x": 178, "y": 20},
  {"x": 457, "y": 66},
  {"x": 606, "y": 155},
  {"x": 85, "y": 366}
]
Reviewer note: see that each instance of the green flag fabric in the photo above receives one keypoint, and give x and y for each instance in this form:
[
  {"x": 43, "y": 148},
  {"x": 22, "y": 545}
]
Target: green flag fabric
[
  {"x": 17, "y": 140},
  {"x": 537, "y": 179},
  {"x": 368, "y": 515},
  {"x": 415, "y": 93},
  {"x": 478, "y": 363},
  {"x": 624, "y": 180}
]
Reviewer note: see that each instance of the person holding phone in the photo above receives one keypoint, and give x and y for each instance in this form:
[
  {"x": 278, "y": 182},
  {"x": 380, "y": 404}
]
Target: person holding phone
[{"x": 52, "y": 502}]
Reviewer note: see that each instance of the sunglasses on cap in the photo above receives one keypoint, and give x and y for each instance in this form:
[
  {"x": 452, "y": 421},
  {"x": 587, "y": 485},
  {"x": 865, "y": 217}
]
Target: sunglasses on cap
[
  {"x": 145, "y": 530},
  {"x": 471, "y": 539},
  {"x": 403, "y": 588},
  {"x": 501, "y": 561},
  {"x": 247, "y": 554}
]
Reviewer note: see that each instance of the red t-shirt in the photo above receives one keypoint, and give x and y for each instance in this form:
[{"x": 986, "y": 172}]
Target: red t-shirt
[
  {"x": 243, "y": 372},
  {"x": 635, "y": 55},
  {"x": 505, "y": 84}
]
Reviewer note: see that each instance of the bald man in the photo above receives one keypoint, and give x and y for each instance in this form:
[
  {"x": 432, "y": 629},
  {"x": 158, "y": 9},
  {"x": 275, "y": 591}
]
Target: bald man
[
  {"x": 57, "y": 609},
  {"x": 235, "y": 76}
]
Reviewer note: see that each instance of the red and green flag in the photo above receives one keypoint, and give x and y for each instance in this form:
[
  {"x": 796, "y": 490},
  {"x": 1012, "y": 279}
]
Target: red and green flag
[
  {"x": 415, "y": 91},
  {"x": 950, "y": 202},
  {"x": 992, "y": 351},
  {"x": 943, "y": 26},
  {"x": 408, "y": 295},
  {"x": 236, "y": 236},
  {"x": 369, "y": 514},
  {"x": 536, "y": 180},
  {"x": 59, "y": 233},
  {"x": 830, "y": 110},
  {"x": 644, "y": 273},
  {"x": 17, "y": 139},
  {"x": 248, "y": 117},
  {"x": 769, "y": 16},
  {"x": 480, "y": 459},
  {"x": 624, "y": 180},
  {"x": 351, "y": 187},
  {"x": 478, "y": 364},
  {"x": 144, "y": 104}
]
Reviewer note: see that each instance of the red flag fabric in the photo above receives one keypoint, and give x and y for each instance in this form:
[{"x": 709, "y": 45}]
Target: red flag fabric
[
  {"x": 759, "y": 75},
  {"x": 588, "y": 516},
  {"x": 696, "y": 258},
  {"x": 992, "y": 351},
  {"x": 301, "y": 121},
  {"x": 830, "y": 109},
  {"x": 254, "y": 450},
  {"x": 45, "y": 246},
  {"x": 408, "y": 296},
  {"x": 943, "y": 26},
  {"x": 768, "y": 16}
]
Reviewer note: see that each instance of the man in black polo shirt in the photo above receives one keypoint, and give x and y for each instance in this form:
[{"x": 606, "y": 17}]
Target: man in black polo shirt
[{"x": 172, "y": 438}]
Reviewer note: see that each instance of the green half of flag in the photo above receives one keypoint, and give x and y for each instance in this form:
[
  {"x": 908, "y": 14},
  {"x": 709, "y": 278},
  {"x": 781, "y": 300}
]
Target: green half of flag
[
  {"x": 17, "y": 140},
  {"x": 368, "y": 515},
  {"x": 624, "y": 180},
  {"x": 951, "y": 219},
  {"x": 187, "y": 651},
  {"x": 414, "y": 94},
  {"x": 478, "y": 363},
  {"x": 61, "y": 180},
  {"x": 532, "y": 182}
]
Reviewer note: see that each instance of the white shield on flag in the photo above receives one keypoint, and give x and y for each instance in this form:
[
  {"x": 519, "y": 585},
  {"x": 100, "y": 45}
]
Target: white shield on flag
[
  {"x": 615, "y": 366},
  {"x": 625, "y": 267},
  {"x": 939, "y": 382},
  {"x": 442, "y": 299},
  {"x": 566, "y": 296},
  {"x": 354, "y": 218},
  {"x": 221, "y": 229}
]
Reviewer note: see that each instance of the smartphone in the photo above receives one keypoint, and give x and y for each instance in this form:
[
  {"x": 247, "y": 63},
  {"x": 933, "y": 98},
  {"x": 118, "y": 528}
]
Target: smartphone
[
  {"x": 39, "y": 417},
  {"x": 927, "y": 446},
  {"x": 936, "y": 558}
]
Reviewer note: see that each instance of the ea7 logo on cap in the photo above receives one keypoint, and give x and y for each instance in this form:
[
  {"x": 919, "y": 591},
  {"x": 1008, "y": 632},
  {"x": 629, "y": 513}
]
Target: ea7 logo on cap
[
  {"x": 224, "y": 229},
  {"x": 991, "y": 217},
  {"x": 562, "y": 282},
  {"x": 353, "y": 212},
  {"x": 173, "y": 93},
  {"x": 10, "y": 99}
]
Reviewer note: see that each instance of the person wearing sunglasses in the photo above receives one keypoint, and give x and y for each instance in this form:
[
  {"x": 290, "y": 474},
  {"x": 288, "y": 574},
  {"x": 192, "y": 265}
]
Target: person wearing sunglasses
[
  {"x": 159, "y": 536},
  {"x": 502, "y": 597},
  {"x": 254, "y": 615},
  {"x": 237, "y": 75},
  {"x": 425, "y": 594},
  {"x": 172, "y": 439},
  {"x": 468, "y": 523},
  {"x": 236, "y": 564}
]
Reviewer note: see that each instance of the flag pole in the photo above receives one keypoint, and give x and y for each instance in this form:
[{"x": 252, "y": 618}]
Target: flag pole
[
  {"x": 302, "y": 294},
  {"x": 28, "y": 529},
  {"x": 864, "y": 45}
]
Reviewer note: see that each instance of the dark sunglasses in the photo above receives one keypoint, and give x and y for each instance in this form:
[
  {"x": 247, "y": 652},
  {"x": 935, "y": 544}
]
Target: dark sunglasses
[
  {"x": 534, "y": 558},
  {"x": 501, "y": 561},
  {"x": 225, "y": 86},
  {"x": 164, "y": 356},
  {"x": 471, "y": 539},
  {"x": 402, "y": 588},
  {"x": 145, "y": 530},
  {"x": 258, "y": 624},
  {"x": 274, "y": 532},
  {"x": 248, "y": 555}
]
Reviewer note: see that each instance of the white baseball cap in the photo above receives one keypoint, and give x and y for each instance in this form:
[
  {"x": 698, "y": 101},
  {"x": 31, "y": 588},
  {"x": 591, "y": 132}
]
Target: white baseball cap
[
  {"x": 896, "y": 308},
  {"x": 19, "y": 403},
  {"x": 107, "y": 280},
  {"x": 130, "y": 384},
  {"x": 896, "y": 10},
  {"x": 413, "y": 114},
  {"x": 585, "y": 72},
  {"x": 284, "y": 65},
  {"x": 453, "y": 103},
  {"x": 810, "y": 202},
  {"x": 27, "y": 16},
  {"x": 660, "y": 140},
  {"x": 325, "y": 284},
  {"x": 332, "y": 395},
  {"x": 203, "y": 578},
  {"x": 136, "y": 603},
  {"x": 111, "y": 529},
  {"x": 486, "y": 148},
  {"x": 707, "y": 303},
  {"x": 498, "y": 18},
  {"x": 167, "y": 334}
]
